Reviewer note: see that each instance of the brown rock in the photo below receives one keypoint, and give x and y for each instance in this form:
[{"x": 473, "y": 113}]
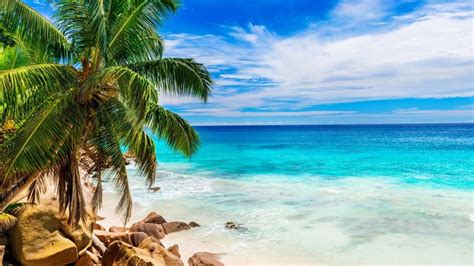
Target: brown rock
[
  {"x": 172, "y": 227},
  {"x": 88, "y": 259},
  {"x": 153, "y": 218},
  {"x": 97, "y": 226},
  {"x": 96, "y": 252},
  {"x": 154, "y": 189},
  {"x": 175, "y": 250},
  {"x": 119, "y": 253},
  {"x": 204, "y": 259},
  {"x": 154, "y": 230},
  {"x": 232, "y": 225},
  {"x": 157, "y": 251},
  {"x": 194, "y": 224},
  {"x": 117, "y": 229},
  {"x": 42, "y": 237},
  {"x": 131, "y": 238},
  {"x": 99, "y": 218}
]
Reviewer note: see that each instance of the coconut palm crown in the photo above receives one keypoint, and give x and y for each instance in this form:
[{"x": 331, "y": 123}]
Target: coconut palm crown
[{"x": 90, "y": 90}]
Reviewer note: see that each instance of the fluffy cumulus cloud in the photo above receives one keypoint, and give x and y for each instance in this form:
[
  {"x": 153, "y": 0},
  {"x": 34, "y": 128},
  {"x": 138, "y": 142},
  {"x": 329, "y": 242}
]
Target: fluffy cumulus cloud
[{"x": 426, "y": 53}]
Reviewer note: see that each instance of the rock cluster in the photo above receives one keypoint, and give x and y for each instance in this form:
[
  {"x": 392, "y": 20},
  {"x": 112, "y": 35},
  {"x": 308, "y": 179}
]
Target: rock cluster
[{"x": 43, "y": 237}]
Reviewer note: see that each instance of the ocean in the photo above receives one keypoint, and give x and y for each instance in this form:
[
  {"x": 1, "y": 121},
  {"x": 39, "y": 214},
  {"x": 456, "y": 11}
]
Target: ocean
[{"x": 326, "y": 194}]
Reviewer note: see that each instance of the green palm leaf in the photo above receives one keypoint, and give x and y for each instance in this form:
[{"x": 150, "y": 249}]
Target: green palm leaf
[
  {"x": 176, "y": 76},
  {"x": 42, "y": 137},
  {"x": 176, "y": 131},
  {"x": 32, "y": 28},
  {"x": 83, "y": 91},
  {"x": 42, "y": 80}
]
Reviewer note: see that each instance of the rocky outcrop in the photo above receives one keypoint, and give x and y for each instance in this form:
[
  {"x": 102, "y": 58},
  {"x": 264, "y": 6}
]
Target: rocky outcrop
[
  {"x": 97, "y": 226},
  {"x": 131, "y": 238},
  {"x": 88, "y": 259},
  {"x": 157, "y": 251},
  {"x": 172, "y": 227},
  {"x": 175, "y": 250},
  {"x": 154, "y": 230},
  {"x": 120, "y": 253},
  {"x": 204, "y": 259},
  {"x": 118, "y": 229},
  {"x": 149, "y": 252},
  {"x": 42, "y": 237},
  {"x": 153, "y": 218}
]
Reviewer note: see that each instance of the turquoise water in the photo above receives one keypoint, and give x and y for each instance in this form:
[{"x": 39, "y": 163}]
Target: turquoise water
[
  {"x": 426, "y": 155},
  {"x": 381, "y": 194}
]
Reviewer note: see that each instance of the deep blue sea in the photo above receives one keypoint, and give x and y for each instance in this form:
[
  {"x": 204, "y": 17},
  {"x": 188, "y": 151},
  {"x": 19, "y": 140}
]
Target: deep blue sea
[{"x": 325, "y": 195}]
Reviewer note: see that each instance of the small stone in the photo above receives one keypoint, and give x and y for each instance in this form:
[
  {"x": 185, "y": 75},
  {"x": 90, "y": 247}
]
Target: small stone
[
  {"x": 234, "y": 226},
  {"x": 194, "y": 224},
  {"x": 154, "y": 189},
  {"x": 204, "y": 259}
]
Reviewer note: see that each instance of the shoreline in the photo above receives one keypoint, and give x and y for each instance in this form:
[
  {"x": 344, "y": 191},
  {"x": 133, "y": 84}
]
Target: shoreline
[{"x": 414, "y": 215}]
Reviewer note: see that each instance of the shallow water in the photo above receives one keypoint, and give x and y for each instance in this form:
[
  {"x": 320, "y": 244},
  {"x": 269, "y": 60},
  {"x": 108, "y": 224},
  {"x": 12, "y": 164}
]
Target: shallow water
[{"x": 323, "y": 194}]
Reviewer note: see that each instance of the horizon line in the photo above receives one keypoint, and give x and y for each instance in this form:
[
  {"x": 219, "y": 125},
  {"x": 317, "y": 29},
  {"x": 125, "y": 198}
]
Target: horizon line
[{"x": 339, "y": 124}]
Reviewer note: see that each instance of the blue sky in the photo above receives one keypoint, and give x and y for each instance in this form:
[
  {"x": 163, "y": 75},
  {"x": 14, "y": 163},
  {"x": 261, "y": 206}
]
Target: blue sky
[{"x": 324, "y": 62}]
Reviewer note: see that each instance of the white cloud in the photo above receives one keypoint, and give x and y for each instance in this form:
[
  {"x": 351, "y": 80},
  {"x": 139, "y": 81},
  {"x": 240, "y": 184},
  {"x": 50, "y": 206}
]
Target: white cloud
[
  {"x": 361, "y": 10},
  {"x": 428, "y": 54}
]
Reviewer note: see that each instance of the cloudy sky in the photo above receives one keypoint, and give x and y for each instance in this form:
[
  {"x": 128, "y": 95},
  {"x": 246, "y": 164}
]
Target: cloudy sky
[{"x": 323, "y": 62}]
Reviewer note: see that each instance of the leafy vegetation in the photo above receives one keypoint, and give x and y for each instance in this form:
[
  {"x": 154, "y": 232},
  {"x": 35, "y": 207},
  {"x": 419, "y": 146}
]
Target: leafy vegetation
[{"x": 84, "y": 86}]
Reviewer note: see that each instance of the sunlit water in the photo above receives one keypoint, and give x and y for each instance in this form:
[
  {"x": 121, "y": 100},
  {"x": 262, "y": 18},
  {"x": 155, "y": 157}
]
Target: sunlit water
[{"x": 394, "y": 194}]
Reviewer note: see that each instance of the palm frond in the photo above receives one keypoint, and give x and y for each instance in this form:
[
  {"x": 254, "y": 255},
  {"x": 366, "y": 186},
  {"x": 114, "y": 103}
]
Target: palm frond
[
  {"x": 16, "y": 208},
  {"x": 107, "y": 138},
  {"x": 69, "y": 186},
  {"x": 7, "y": 221},
  {"x": 176, "y": 76},
  {"x": 98, "y": 25},
  {"x": 135, "y": 90},
  {"x": 37, "y": 188},
  {"x": 20, "y": 84},
  {"x": 133, "y": 38},
  {"x": 143, "y": 148},
  {"x": 176, "y": 131},
  {"x": 33, "y": 28},
  {"x": 97, "y": 197},
  {"x": 37, "y": 143},
  {"x": 13, "y": 57}
]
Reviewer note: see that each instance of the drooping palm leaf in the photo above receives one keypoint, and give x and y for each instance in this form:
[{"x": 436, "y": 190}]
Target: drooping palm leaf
[
  {"x": 176, "y": 131},
  {"x": 37, "y": 143}
]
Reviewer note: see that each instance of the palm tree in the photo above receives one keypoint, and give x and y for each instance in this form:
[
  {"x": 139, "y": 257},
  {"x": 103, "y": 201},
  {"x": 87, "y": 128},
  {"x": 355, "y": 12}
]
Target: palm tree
[{"x": 90, "y": 89}]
